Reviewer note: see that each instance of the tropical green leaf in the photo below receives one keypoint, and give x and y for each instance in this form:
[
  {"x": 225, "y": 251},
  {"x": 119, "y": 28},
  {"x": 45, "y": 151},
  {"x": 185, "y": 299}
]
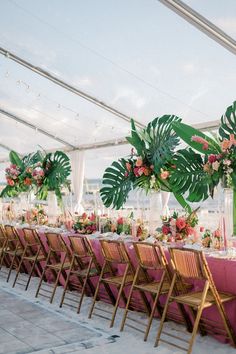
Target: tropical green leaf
[
  {"x": 116, "y": 185},
  {"x": 9, "y": 191},
  {"x": 180, "y": 199},
  {"x": 161, "y": 140},
  {"x": 135, "y": 139},
  {"x": 58, "y": 169},
  {"x": 189, "y": 176},
  {"x": 228, "y": 122},
  {"x": 15, "y": 159},
  {"x": 186, "y": 132}
]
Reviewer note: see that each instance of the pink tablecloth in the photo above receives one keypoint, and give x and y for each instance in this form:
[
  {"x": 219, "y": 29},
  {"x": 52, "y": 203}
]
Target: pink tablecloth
[{"x": 223, "y": 271}]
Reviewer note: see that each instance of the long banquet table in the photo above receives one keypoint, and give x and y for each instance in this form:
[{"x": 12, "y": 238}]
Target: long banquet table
[{"x": 223, "y": 272}]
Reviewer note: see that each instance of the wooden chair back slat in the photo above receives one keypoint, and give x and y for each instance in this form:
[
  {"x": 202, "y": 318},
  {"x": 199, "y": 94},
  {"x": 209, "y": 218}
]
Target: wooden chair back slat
[
  {"x": 56, "y": 243},
  {"x": 3, "y": 236},
  {"x": 188, "y": 263},
  {"x": 31, "y": 236},
  {"x": 114, "y": 251},
  {"x": 150, "y": 256},
  {"x": 80, "y": 246}
]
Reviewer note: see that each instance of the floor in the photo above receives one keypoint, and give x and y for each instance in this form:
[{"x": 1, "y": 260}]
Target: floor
[{"x": 32, "y": 325}]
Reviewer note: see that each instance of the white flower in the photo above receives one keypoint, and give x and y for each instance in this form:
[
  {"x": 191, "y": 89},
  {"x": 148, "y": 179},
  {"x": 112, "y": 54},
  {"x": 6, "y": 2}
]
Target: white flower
[{"x": 227, "y": 162}]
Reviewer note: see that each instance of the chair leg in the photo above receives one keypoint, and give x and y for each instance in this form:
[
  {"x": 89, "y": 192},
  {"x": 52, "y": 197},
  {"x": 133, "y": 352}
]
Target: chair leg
[
  {"x": 165, "y": 311},
  {"x": 84, "y": 286},
  {"x": 11, "y": 266},
  {"x": 97, "y": 290},
  {"x": 32, "y": 270},
  {"x": 154, "y": 306},
  {"x": 129, "y": 299},
  {"x": 198, "y": 317},
  {"x": 119, "y": 296},
  {"x": 43, "y": 274},
  {"x": 67, "y": 282}
]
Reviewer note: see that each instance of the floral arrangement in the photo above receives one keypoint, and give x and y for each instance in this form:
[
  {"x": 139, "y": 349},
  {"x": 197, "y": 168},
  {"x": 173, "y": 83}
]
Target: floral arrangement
[
  {"x": 178, "y": 228},
  {"x": 36, "y": 215},
  {"x": 208, "y": 161},
  {"x": 85, "y": 224},
  {"x": 149, "y": 165},
  {"x": 39, "y": 172},
  {"x": 212, "y": 239},
  {"x": 119, "y": 225}
]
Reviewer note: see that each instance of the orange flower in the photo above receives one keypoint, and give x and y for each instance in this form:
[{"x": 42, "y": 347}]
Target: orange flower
[
  {"x": 225, "y": 145},
  {"x": 27, "y": 181},
  {"x": 146, "y": 171},
  {"x": 139, "y": 162},
  {"x": 165, "y": 174},
  {"x": 128, "y": 166}
]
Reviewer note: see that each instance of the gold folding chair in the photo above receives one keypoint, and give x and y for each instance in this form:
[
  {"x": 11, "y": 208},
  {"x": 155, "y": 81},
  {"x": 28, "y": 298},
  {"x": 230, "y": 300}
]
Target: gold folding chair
[
  {"x": 13, "y": 250},
  {"x": 192, "y": 265},
  {"x": 33, "y": 253},
  {"x": 115, "y": 255},
  {"x": 150, "y": 257},
  {"x": 84, "y": 266},
  {"x": 3, "y": 242},
  {"x": 57, "y": 262}
]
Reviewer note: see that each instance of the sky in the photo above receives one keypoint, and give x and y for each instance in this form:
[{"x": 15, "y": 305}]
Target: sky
[{"x": 135, "y": 55}]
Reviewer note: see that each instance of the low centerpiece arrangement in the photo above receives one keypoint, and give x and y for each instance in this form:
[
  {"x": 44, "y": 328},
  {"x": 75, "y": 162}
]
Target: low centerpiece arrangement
[
  {"x": 178, "y": 228},
  {"x": 85, "y": 224}
]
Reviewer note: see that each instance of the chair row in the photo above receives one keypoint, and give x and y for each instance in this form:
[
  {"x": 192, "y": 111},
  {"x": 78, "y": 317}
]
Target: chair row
[{"x": 76, "y": 267}]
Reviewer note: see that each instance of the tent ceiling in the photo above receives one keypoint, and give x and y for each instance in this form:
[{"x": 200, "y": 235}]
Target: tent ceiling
[{"x": 138, "y": 57}]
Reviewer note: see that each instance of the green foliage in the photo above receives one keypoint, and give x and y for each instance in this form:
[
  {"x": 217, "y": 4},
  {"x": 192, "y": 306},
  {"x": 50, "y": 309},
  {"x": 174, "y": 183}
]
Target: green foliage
[
  {"x": 116, "y": 185},
  {"x": 157, "y": 141},
  {"x": 9, "y": 191},
  {"x": 186, "y": 132},
  {"x": 228, "y": 122},
  {"x": 57, "y": 170},
  {"x": 161, "y": 140},
  {"x": 15, "y": 159},
  {"x": 189, "y": 176}
]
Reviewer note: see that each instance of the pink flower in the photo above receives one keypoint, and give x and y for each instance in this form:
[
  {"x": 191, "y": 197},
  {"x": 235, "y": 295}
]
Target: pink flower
[
  {"x": 217, "y": 233},
  {"x": 200, "y": 140},
  {"x": 180, "y": 223},
  {"x": 202, "y": 228},
  {"x": 126, "y": 173},
  {"x": 10, "y": 182},
  {"x": 120, "y": 221},
  {"x": 212, "y": 158},
  {"x": 165, "y": 230},
  {"x": 136, "y": 171},
  {"x": 190, "y": 230}
]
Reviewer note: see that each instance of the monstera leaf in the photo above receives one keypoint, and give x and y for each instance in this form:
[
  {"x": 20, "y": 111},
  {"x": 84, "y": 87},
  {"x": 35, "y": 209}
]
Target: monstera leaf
[
  {"x": 116, "y": 185},
  {"x": 228, "y": 122},
  {"x": 186, "y": 133},
  {"x": 189, "y": 176},
  {"x": 157, "y": 141},
  {"x": 161, "y": 140},
  {"x": 57, "y": 167}
]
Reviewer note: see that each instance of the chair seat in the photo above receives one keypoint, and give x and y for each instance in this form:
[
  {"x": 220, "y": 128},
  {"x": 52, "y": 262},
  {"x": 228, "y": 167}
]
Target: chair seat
[
  {"x": 83, "y": 272},
  {"x": 118, "y": 279},
  {"x": 32, "y": 258},
  {"x": 153, "y": 287},
  {"x": 57, "y": 266},
  {"x": 194, "y": 299},
  {"x": 19, "y": 252}
]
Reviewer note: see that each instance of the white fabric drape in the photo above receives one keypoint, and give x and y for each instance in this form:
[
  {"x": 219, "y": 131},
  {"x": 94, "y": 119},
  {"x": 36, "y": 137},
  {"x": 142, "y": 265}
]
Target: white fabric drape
[
  {"x": 77, "y": 165},
  {"x": 165, "y": 196}
]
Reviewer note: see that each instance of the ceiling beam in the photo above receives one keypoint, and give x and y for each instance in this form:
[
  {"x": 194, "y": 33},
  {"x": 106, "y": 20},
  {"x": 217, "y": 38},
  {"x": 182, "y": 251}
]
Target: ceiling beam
[
  {"x": 203, "y": 24},
  {"x": 46, "y": 74},
  {"x": 32, "y": 126}
]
